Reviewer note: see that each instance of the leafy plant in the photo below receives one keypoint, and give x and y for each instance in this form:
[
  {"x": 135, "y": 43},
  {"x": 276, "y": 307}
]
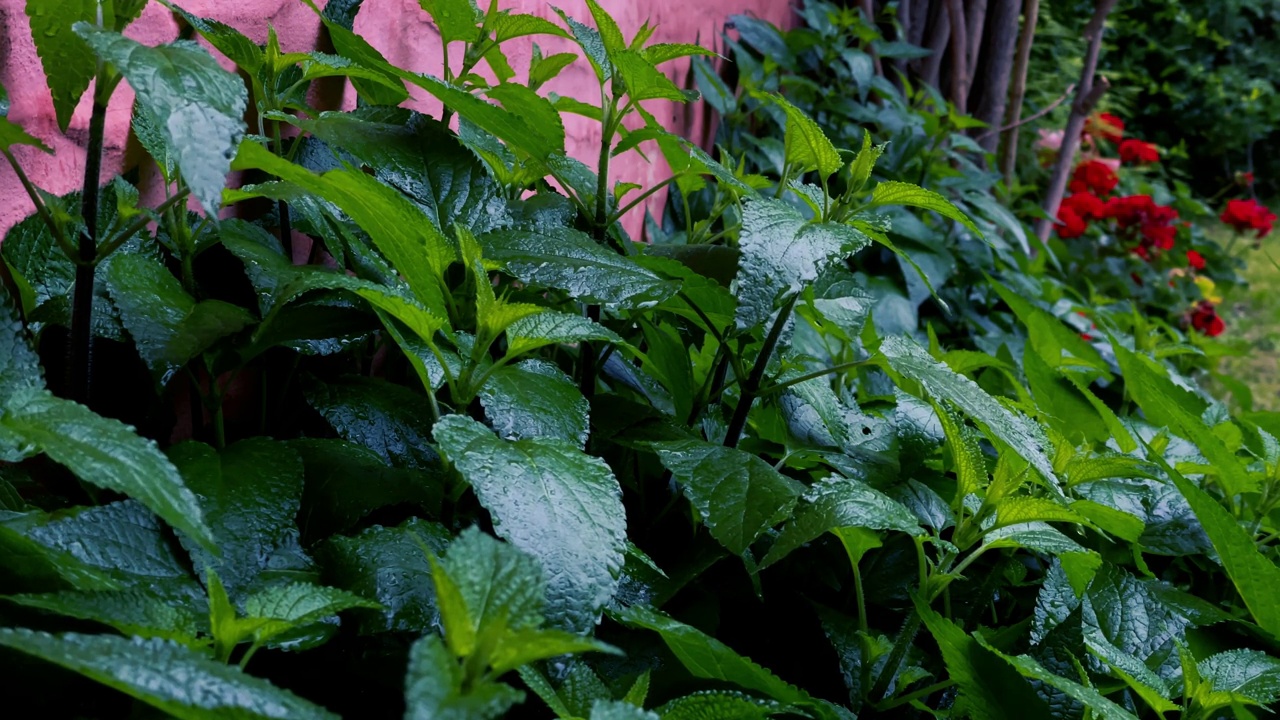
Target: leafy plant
[{"x": 829, "y": 445}]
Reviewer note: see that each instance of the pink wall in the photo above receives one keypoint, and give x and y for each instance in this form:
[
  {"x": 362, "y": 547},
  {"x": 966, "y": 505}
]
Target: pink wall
[{"x": 398, "y": 28}]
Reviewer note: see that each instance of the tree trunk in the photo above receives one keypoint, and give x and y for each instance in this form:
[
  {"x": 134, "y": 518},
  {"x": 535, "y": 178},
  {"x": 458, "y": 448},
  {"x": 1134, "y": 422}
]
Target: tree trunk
[
  {"x": 1087, "y": 95},
  {"x": 904, "y": 35},
  {"x": 1009, "y": 152},
  {"x": 975, "y": 19},
  {"x": 939, "y": 34},
  {"x": 917, "y": 12},
  {"x": 959, "y": 57},
  {"x": 869, "y": 10},
  {"x": 995, "y": 68}
]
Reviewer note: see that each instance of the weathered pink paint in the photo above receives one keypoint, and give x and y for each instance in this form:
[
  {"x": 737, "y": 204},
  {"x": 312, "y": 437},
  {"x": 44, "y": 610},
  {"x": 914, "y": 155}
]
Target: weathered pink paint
[{"x": 398, "y": 28}]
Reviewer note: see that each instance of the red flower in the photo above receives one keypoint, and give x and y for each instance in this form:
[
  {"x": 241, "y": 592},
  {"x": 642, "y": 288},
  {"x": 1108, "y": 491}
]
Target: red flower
[
  {"x": 1246, "y": 215},
  {"x": 1205, "y": 319},
  {"x": 1104, "y": 126},
  {"x": 1195, "y": 260},
  {"x": 1161, "y": 236},
  {"x": 1093, "y": 176},
  {"x": 1138, "y": 152},
  {"x": 1086, "y": 205},
  {"x": 1071, "y": 225}
]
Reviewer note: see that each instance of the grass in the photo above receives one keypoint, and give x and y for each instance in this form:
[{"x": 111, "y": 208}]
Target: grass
[{"x": 1253, "y": 316}]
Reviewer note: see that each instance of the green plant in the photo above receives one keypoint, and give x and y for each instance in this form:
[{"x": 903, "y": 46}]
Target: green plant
[{"x": 744, "y": 440}]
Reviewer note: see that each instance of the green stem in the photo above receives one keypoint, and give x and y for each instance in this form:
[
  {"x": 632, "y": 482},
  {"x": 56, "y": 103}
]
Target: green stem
[
  {"x": 751, "y": 386},
  {"x": 587, "y": 355},
  {"x": 137, "y": 226},
  {"x": 916, "y": 695},
  {"x": 81, "y": 365},
  {"x": 810, "y": 376},
  {"x": 68, "y": 249},
  {"x": 862, "y": 601},
  {"x": 900, "y": 646},
  {"x": 643, "y": 196}
]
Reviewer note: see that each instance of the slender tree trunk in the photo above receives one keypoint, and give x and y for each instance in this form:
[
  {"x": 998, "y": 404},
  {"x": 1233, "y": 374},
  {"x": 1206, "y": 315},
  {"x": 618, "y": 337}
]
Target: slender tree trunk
[
  {"x": 975, "y": 19},
  {"x": 1087, "y": 95},
  {"x": 939, "y": 34},
  {"x": 1009, "y": 152},
  {"x": 959, "y": 57},
  {"x": 918, "y": 13},
  {"x": 869, "y": 10},
  {"x": 905, "y": 21},
  {"x": 995, "y": 68}
]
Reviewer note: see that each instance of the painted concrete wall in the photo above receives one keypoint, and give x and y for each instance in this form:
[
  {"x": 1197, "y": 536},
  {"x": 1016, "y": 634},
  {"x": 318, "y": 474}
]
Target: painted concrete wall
[{"x": 398, "y": 28}]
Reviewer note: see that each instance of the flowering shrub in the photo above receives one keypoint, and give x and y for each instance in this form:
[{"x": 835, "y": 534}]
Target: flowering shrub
[{"x": 1129, "y": 225}]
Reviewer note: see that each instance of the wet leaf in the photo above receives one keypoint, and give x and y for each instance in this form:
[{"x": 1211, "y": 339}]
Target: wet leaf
[
  {"x": 68, "y": 62},
  {"x": 389, "y": 419},
  {"x": 535, "y": 399},
  {"x": 835, "y": 503},
  {"x": 552, "y": 501}
]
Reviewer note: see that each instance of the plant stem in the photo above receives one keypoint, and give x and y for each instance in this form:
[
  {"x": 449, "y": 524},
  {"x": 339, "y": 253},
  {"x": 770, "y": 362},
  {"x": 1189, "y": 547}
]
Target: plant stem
[
  {"x": 81, "y": 365},
  {"x": 137, "y": 226},
  {"x": 900, "y": 645},
  {"x": 916, "y": 695},
  {"x": 751, "y": 386},
  {"x": 587, "y": 357},
  {"x": 810, "y": 376},
  {"x": 67, "y": 248}
]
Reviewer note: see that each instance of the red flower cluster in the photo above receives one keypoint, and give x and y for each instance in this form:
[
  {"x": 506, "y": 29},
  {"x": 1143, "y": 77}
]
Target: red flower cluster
[
  {"x": 1076, "y": 211},
  {"x": 1104, "y": 126},
  {"x": 1245, "y": 215},
  {"x": 1137, "y": 152},
  {"x": 1195, "y": 260},
  {"x": 1154, "y": 222},
  {"x": 1204, "y": 317},
  {"x": 1093, "y": 176}
]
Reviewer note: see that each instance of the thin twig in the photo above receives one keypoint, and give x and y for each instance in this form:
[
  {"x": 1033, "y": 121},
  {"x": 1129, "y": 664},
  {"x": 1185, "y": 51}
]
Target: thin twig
[{"x": 1032, "y": 118}]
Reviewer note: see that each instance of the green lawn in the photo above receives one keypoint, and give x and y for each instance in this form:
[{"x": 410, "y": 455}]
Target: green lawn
[{"x": 1253, "y": 316}]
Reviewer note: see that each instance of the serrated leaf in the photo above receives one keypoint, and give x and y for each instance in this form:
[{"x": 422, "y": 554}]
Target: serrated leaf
[
  {"x": 345, "y": 482},
  {"x": 889, "y": 192},
  {"x": 1248, "y": 673},
  {"x": 939, "y": 382},
  {"x": 551, "y": 328},
  {"x": 838, "y": 502},
  {"x": 642, "y": 81},
  {"x": 719, "y": 705},
  {"x": 708, "y": 658},
  {"x": 295, "y": 605},
  {"x": 864, "y": 162},
  {"x": 619, "y": 710},
  {"x": 397, "y": 227},
  {"x": 167, "y": 325},
  {"x": 1022, "y": 509},
  {"x": 387, "y": 565},
  {"x": 107, "y": 454},
  {"x": 1255, "y": 576},
  {"x": 250, "y": 493},
  {"x": 506, "y": 26},
  {"x": 807, "y": 145},
  {"x": 199, "y": 106},
  {"x": 457, "y": 20},
  {"x": 535, "y": 399},
  {"x": 737, "y": 494},
  {"x": 389, "y": 419},
  {"x": 967, "y": 459},
  {"x": 781, "y": 253},
  {"x": 1027, "y": 666},
  {"x": 552, "y": 501},
  {"x": 569, "y": 260},
  {"x": 19, "y": 364},
  {"x": 1034, "y": 536},
  {"x": 989, "y": 688},
  {"x": 144, "y": 611},
  {"x": 434, "y": 687},
  {"x": 519, "y": 122},
  {"x": 544, "y": 70},
  {"x": 123, "y": 539},
  {"x": 167, "y": 676},
  {"x": 242, "y": 51},
  {"x": 69, "y": 63},
  {"x": 12, "y": 134},
  {"x": 1164, "y": 403}
]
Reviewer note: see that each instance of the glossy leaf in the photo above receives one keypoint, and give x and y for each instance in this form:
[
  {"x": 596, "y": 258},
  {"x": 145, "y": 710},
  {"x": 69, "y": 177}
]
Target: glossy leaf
[
  {"x": 571, "y": 261},
  {"x": 457, "y": 20},
  {"x": 200, "y": 107},
  {"x": 250, "y": 493},
  {"x": 939, "y": 382},
  {"x": 552, "y": 501},
  {"x": 68, "y": 62},
  {"x": 144, "y": 612},
  {"x": 899, "y": 193},
  {"x": 387, "y": 565},
  {"x": 535, "y": 399},
  {"x": 107, "y": 454},
  {"x": 166, "y": 676},
  {"x": 836, "y": 503},
  {"x": 737, "y": 494},
  {"x": 389, "y": 419},
  {"x": 808, "y": 148},
  {"x": 781, "y": 253},
  {"x": 12, "y": 134},
  {"x": 434, "y": 688},
  {"x": 551, "y": 328}
]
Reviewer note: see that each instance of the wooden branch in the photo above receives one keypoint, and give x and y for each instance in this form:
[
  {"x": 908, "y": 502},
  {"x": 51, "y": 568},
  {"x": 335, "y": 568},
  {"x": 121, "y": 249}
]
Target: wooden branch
[
  {"x": 975, "y": 21},
  {"x": 1032, "y": 118},
  {"x": 959, "y": 57},
  {"x": 939, "y": 34},
  {"x": 1086, "y": 98},
  {"x": 1009, "y": 152},
  {"x": 869, "y": 10}
]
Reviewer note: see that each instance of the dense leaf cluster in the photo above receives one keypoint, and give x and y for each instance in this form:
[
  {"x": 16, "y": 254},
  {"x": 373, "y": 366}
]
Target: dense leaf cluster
[{"x": 830, "y": 445}]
